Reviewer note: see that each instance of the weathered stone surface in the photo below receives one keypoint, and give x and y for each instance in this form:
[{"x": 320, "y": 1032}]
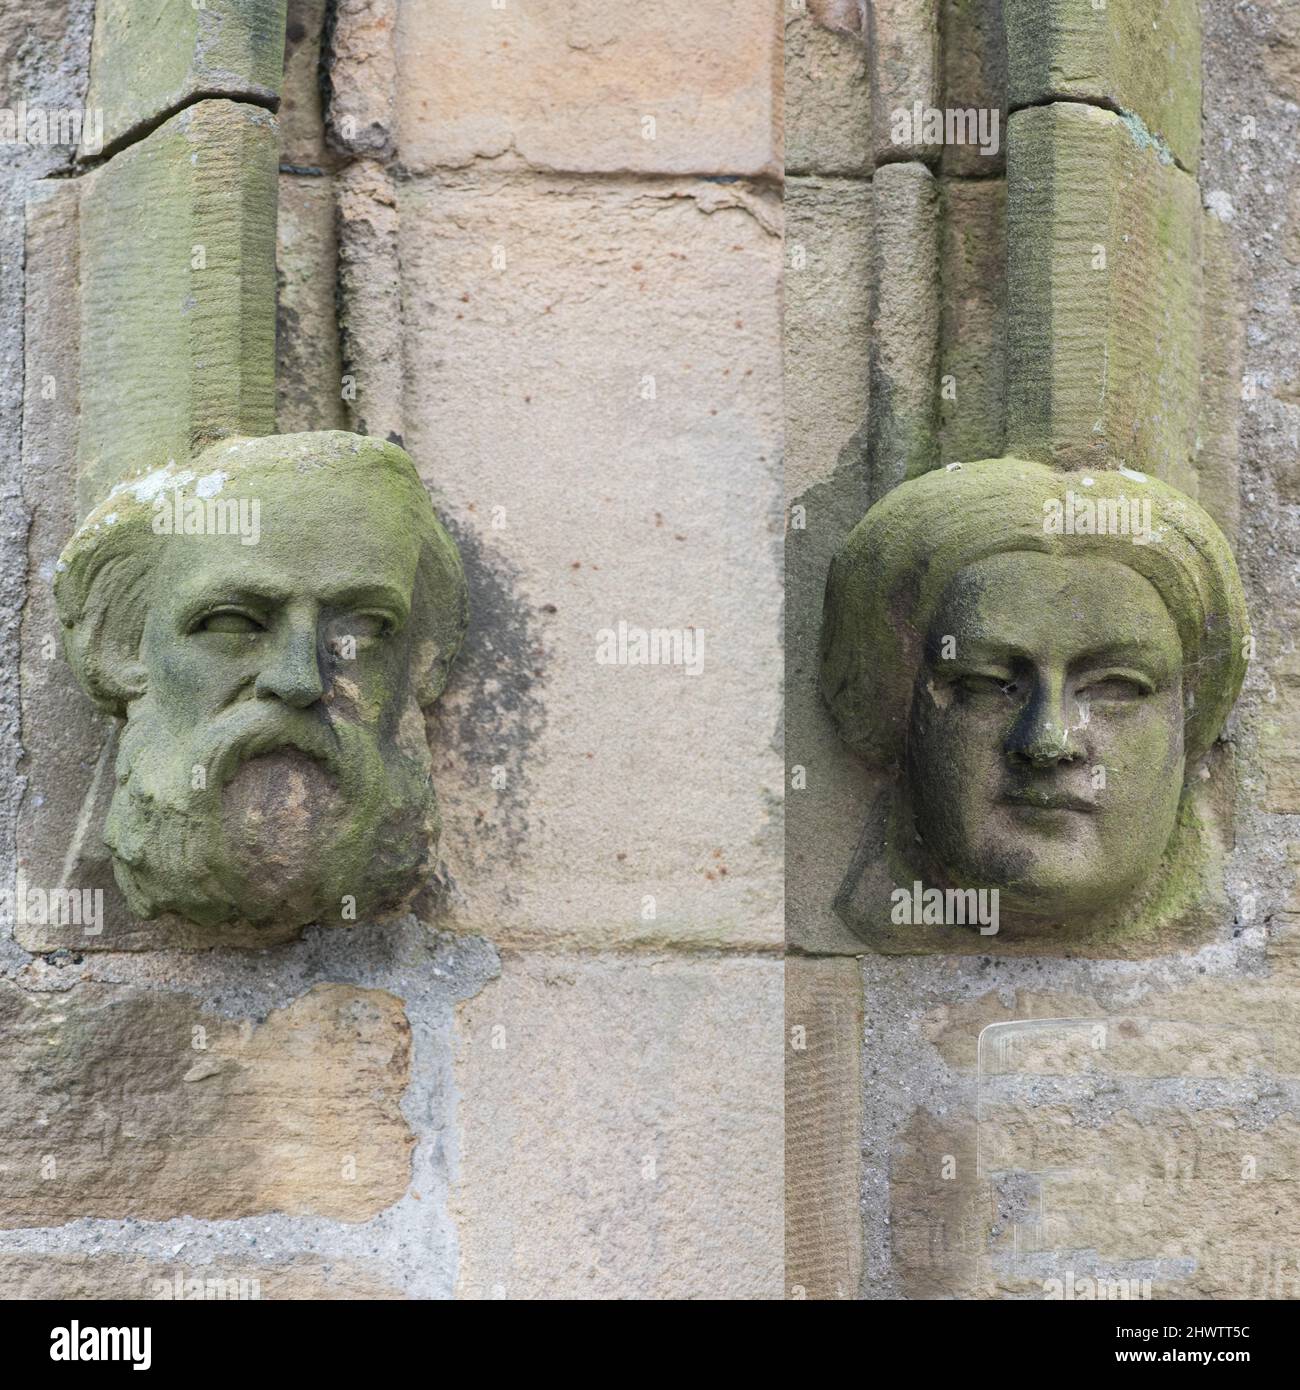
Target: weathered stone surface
[
  {"x": 370, "y": 299},
  {"x": 824, "y": 328},
  {"x": 1277, "y": 425},
  {"x": 1104, "y": 296},
  {"x": 1280, "y": 737},
  {"x": 44, "y": 50},
  {"x": 972, "y": 322},
  {"x": 823, "y": 1128},
  {"x": 584, "y": 801},
  {"x": 178, "y": 293},
  {"x": 1218, "y": 446},
  {"x": 841, "y": 16},
  {"x": 826, "y": 814},
  {"x": 150, "y": 57},
  {"x": 301, "y": 111},
  {"x": 963, "y": 556},
  {"x": 1139, "y": 56},
  {"x": 938, "y": 1212},
  {"x": 590, "y": 88},
  {"x": 621, "y": 1129},
  {"x": 70, "y": 731},
  {"x": 904, "y": 326},
  {"x": 833, "y": 426},
  {"x": 126, "y": 1103},
  {"x": 932, "y": 1239},
  {"x": 1042, "y": 1138},
  {"x": 1123, "y": 1047},
  {"x": 1153, "y": 1148},
  {"x": 363, "y": 76},
  {"x": 1281, "y": 51},
  {"x": 828, "y": 793},
  {"x": 906, "y": 69},
  {"x": 282, "y": 781},
  {"x": 975, "y": 79},
  {"x": 827, "y": 99},
  {"x": 68, "y": 745},
  {"x": 1184, "y": 1195},
  {"x": 309, "y": 371},
  {"x": 1252, "y": 191},
  {"x": 115, "y": 1277}
]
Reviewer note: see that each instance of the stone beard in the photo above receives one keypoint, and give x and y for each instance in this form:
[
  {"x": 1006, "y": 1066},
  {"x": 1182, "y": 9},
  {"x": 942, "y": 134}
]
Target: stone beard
[
  {"x": 264, "y": 814},
  {"x": 274, "y": 767},
  {"x": 1040, "y": 696}
]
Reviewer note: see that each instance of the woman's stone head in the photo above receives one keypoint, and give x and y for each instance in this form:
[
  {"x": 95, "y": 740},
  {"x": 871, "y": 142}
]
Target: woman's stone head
[{"x": 1040, "y": 655}]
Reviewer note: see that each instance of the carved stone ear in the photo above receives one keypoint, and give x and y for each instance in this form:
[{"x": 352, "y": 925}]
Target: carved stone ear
[
  {"x": 442, "y": 597},
  {"x": 103, "y": 601}
]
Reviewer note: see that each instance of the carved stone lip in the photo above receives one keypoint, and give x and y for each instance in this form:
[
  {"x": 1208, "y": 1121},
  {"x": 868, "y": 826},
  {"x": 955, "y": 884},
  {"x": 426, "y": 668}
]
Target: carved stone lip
[
  {"x": 265, "y": 742},
  {"x": 1049, "y": 801}
]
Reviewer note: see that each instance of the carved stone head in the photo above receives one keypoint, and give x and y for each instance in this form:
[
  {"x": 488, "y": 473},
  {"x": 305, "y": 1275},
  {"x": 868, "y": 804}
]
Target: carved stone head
[
  {"x": 271, "y": 619},
  {"x": 1042, "y": 659}
]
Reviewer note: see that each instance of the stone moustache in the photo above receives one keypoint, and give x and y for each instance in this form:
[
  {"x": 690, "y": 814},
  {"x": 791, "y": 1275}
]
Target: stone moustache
[
  {"x": 271, "y": 619},
  {"x": 1042, "y": 695}
]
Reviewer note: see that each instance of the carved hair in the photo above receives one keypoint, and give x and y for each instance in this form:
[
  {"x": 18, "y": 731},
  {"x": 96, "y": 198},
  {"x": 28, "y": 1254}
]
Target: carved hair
[
  {"x": 890, "y": 575},
  {"x": 102, "y": 583}
]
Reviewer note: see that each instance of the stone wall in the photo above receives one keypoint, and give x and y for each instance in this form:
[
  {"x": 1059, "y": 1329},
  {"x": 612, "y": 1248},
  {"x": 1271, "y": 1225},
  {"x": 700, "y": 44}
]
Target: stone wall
[
  {"x": 565, "y": 255},
  {"x": 528, "y": 244},
  {"x": 1025, "y": 1120}
]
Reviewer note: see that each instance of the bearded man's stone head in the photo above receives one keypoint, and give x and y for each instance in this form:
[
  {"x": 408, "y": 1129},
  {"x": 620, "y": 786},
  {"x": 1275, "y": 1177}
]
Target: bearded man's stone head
[{"x": 271, "y": 619}]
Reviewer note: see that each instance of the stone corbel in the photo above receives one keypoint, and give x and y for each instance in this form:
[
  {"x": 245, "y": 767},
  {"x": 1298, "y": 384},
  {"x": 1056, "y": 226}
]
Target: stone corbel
[
  {"x": 1037, "y": 632},
  {"x": 268, "y": 616}
]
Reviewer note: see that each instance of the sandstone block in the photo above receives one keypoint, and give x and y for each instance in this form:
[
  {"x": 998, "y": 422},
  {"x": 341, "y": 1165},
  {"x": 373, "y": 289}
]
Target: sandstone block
[
  {"x": 363, "y": 76},
  {"x": 827, "y": 99},
  {"x": 1280, "y": 741},
  {"x": 824, "y": 331},
  {"x": 975, "y": 79},
  {"x": 130, "y": 1277},
  {"x": 972, "y": 323},
  {"x": 309, "y": 371},
  {"x": 1143, "y": 57},
  {"x": 906, "y": 71},
  {"x": 177, "y": 292},
  {"x": 655, "y": 87},
  {"x": 1114, "y": 1148},
  {"x": 301, "y": 114},
  {"x": 649, "y": 315},
  {"x": 150, "y": 57},
  {"x": 1222, "y": 352},
  {"x": 128, "y": 1103},
  {"x": 1104, "y": 296},
  {"x": 662, "y": 1178},
  {"x": 823, "y": 1127},
  {"x": 904, "y": 374},
  {"x": 370, "y": 298}
]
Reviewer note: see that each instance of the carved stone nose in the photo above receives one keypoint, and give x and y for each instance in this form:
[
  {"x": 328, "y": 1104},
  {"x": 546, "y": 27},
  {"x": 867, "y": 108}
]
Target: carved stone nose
[
  {"x": 293, "y": 675},
  {"x": 1042, "y": 737},
  {"x": 1049, "y": 746}
]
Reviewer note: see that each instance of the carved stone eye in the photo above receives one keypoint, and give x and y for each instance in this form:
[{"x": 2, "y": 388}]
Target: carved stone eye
[
  {"x": 976, "y": 686},
  {"x": 228, "y": 620},
  {"x": 1114, "y": 688}
]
